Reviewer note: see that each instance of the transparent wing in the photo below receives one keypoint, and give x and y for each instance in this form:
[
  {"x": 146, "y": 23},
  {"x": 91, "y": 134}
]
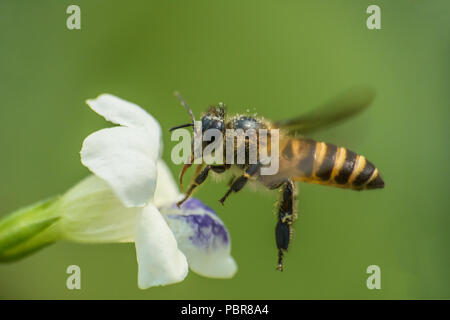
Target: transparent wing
[{"x": 342, "y": 107}]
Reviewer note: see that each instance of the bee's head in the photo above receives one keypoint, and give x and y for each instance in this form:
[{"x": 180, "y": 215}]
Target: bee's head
[{"x": 214, "y": 118}]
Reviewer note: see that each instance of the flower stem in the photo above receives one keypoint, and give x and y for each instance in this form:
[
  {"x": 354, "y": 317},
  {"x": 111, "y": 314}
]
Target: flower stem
[{"x": 29, "y": 229}]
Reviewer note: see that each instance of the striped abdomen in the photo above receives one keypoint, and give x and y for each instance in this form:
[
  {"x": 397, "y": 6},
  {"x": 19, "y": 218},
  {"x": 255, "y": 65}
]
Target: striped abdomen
[{"x": 328, "y": 164}]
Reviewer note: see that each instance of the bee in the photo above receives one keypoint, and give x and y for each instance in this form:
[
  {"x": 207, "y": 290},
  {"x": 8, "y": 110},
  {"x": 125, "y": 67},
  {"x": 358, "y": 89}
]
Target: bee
[{"x": 301, "y": 159}]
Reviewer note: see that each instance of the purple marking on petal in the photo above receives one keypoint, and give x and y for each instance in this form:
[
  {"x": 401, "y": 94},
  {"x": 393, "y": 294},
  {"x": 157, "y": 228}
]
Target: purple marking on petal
[
  {"x": 208, "y": 232},
  {"x": 194, "y": 204}
]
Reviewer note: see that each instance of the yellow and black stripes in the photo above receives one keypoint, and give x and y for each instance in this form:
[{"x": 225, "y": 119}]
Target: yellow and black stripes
[
  {"x": 328, "y": 164},
  {"x": 324, "y": 166},
  {"x": 345, "y": 171}
]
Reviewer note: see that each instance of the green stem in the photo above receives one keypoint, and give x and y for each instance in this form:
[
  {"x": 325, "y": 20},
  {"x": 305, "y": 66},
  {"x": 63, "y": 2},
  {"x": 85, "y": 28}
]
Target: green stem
[{"x": 28, "y": 229}]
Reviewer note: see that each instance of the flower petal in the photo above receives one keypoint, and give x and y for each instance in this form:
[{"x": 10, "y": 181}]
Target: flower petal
[
  {"x": 123, "y": 112},
  {"x": 167, "y": 191},
  {"x": 91, "y": 213},
  {"x": 202, "y": 237},
  {"x": 159, "y": 259},
  {"x": 125, "y": 158}
]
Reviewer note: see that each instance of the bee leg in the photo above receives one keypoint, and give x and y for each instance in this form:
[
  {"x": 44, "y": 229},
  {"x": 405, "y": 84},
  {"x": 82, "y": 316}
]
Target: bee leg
[
  {"x": 198, "y": 169},
  {"x": 220, "y": 168},
  {"x": 198, "y": 180},
  {"x": 200, "y": 177},
  {"x": 240, "y": 182},
  {"x": 230, "y": 182},
  {"x": 286, "y": 218}
]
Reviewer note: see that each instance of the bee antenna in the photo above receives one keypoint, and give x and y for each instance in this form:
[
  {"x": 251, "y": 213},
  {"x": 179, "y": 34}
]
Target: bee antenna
[
  {"x": 181, "y": 126},
  {"x": 184, "y": 104}
]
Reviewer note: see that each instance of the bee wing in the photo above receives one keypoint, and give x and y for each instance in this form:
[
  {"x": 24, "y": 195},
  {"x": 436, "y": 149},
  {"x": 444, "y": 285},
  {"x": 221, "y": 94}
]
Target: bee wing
[{"x": 342, "y": 107}]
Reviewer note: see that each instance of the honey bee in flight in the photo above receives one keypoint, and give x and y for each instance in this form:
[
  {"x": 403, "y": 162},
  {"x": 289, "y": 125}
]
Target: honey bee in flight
[{"x": 300, "y": 159}]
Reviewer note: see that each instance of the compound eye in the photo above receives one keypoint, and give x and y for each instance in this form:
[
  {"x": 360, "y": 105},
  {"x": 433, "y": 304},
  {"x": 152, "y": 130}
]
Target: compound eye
[
  {"x": 206, "y": 123},
  {"x": 220, "y": 125}
]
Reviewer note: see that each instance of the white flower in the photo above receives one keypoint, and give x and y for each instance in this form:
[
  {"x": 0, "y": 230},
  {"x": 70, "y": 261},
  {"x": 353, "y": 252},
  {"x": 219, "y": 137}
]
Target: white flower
[{"x": 132, "y": 198}]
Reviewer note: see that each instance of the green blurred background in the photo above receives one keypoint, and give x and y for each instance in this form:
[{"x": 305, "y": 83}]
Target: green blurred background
[{"x": 280, "y": 57}]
